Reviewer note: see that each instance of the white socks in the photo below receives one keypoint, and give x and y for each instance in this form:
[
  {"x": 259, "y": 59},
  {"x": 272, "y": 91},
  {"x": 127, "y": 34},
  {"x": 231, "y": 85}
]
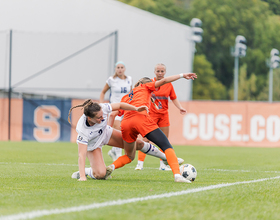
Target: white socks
[
  {"x": 140, "y": 163},
  {"x": 153, "y": 151},
  {"x": 117, "y": 151}
]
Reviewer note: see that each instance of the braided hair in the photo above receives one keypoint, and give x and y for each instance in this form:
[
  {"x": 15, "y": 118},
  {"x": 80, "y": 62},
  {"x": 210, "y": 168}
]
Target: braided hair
[{"x": 90, "y": 109}]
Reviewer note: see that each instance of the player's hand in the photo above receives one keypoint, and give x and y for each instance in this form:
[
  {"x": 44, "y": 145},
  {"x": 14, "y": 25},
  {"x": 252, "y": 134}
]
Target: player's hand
[
  {"x": 190, "y": 76},
  {"x": 82, "y": 179},
  {"x": 142, "y": 108},
  {"x": 183, "y": 111}
]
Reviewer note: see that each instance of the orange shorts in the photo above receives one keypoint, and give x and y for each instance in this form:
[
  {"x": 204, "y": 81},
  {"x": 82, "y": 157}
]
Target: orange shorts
[
  {"x": 138, "y": 124},
  {"x": 162, "y": 120}
]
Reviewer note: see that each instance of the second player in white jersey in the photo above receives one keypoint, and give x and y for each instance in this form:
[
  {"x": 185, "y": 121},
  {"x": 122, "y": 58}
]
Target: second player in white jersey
[{"x": 119, "y": 85}]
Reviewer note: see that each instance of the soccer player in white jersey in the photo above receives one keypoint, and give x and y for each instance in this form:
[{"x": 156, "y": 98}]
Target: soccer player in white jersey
[
  {"x": 94, "y": 132},
  {"x": 119, "y": 85}
]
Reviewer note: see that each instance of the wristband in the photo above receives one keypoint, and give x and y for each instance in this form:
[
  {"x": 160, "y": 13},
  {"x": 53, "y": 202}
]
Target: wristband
[{"x": 181, "y": 75}]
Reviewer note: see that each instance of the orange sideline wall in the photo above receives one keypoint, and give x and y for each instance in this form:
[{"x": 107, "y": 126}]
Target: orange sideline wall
[
  {"x": 16, "y": 119},
  {"x": 209, "y": 123},
  {"x": 252, "y": 124}
]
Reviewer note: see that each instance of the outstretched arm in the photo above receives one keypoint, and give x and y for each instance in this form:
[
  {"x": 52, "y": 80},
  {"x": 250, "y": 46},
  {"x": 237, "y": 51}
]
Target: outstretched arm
[
  {"x": 174, "y": 78},
  {"x": 125, "y": 106}
]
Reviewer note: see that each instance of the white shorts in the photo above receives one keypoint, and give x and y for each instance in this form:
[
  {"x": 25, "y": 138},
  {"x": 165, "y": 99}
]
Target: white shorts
[
  {"x": 118, "y": 118},
  {"x": 102, "y": 141}
]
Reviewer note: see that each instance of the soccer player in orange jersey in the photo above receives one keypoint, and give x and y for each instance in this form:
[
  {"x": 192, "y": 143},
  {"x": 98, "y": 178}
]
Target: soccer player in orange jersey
[
  {"x": 159, "y": 111},
  {"x": 135, "y": 123}
]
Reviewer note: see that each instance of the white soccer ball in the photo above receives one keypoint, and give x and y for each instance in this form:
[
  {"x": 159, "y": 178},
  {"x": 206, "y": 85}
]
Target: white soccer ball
[{"x": 188, "y": 171}]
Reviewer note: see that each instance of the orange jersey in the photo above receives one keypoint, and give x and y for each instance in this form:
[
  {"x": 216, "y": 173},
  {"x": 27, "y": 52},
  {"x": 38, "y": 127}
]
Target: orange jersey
[
  {"x": 139, "y": 96},
  {"x": 138, "y": 124},
  {"x": 161, "y": 98}
]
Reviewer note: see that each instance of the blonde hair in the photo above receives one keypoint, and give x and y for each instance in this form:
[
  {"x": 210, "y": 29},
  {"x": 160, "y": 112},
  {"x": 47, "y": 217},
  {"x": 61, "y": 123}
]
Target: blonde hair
[
  {"x": 160, "y": 64},
  {"x": 90, "y": 109},
  {"x": 144, "y": 80}
]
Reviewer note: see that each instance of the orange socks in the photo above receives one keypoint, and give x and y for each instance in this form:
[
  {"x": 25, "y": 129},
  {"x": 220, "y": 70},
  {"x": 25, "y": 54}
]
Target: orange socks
[
  {"x": 141, "y": 156},
  {"x": 121, "y": 161},
  {"x": 172, "y": 160}
]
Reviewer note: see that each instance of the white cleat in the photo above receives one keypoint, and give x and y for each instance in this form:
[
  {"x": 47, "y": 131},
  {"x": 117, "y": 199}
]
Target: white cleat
[
  {"x": 180, "y": 161},
  {"x": 76, "y": 175},
  {"x": 181, "y": 179},
  {"x": 112, "y": 155},
  {"x": 164, "y": 167},
  {"x": 109, "y": 170},
  {"x": 139, "y": 167}
]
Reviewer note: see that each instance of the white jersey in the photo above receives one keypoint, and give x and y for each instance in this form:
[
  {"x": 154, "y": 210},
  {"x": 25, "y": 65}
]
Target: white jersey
[
  {"x": 119, "y": 87},
  {"x": 93, "y": 135}
]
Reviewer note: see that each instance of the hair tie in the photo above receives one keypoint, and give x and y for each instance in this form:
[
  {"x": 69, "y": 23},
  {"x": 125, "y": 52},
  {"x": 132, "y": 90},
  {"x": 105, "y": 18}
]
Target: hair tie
[{"x": 119, "y": 62}]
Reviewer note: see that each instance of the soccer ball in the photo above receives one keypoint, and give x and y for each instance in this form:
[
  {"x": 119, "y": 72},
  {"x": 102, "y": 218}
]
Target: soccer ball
[{"x": 188, "y": 171}]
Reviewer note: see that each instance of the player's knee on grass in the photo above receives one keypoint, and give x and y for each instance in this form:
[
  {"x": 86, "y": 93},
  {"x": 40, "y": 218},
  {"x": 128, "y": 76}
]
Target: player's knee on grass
[{"x": 99, "y": 174}]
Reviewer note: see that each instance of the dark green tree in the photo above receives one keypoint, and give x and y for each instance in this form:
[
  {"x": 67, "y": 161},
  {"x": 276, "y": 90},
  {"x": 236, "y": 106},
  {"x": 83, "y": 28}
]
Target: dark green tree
[
  {"x": 170, "y": 9},
  {"x": 206, "y": 86},
  {"x": 263, "y": 96},
  {"x": 274, "y": 6},
  {"x": 222, "y": 21},
  {"x": 246, "y": 86}
]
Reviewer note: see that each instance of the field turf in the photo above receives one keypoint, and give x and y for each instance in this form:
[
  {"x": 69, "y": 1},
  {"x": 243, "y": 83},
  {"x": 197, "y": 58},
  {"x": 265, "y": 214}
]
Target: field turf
[{"x": 232, "y": 183}]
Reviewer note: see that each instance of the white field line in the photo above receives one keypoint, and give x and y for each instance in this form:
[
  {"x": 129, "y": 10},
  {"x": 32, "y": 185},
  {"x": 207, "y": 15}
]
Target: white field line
[
  {"x": 45, "y": 164},
  {"x": 152, "y": 168},
  {"x": 243, "y": 171},
  {"x": 40, "y": 213}
]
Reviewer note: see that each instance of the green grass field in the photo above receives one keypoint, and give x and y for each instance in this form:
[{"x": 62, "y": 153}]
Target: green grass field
[{"x": 36, "y": 183}]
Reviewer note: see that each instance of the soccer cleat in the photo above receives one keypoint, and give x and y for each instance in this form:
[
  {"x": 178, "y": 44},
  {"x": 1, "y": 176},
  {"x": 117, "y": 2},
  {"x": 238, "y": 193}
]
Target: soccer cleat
[
  {"x": 181, "y": 179},
  {"x": 76, "y": 175},
  {"x": 180, "y": 161},
  {"x": 139, "y": 167},
  {"x": 109, "y": 170},
  {"x": 112, "y": 155},
  {"x": 164, "y": 167}
]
